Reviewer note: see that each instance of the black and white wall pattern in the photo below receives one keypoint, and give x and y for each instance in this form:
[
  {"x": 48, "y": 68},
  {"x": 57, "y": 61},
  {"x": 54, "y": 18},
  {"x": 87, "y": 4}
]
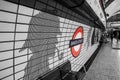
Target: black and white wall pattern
[{"x": 33, "y": 42}]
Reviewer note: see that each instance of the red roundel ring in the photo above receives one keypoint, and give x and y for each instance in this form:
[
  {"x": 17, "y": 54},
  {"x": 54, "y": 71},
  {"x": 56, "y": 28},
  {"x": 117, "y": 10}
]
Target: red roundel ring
[{"x": 77, "y": 34}]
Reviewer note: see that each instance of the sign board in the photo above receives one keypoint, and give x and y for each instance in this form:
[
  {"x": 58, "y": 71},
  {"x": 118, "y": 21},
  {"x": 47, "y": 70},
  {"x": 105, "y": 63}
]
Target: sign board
[{"x": 76, "y": 42}]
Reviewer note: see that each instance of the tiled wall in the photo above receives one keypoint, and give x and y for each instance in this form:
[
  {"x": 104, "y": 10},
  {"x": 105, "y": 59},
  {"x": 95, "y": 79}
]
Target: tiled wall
[{"x": 30, "y": 41}]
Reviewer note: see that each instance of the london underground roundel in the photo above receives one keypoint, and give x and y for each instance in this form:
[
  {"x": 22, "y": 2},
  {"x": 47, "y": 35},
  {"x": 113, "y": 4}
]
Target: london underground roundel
[{"x": 76, "y": 42}]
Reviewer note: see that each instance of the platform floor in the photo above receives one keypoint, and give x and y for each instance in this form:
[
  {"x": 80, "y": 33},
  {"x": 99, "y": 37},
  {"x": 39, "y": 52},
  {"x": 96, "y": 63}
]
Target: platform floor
[{"x": 106, "y": 65}]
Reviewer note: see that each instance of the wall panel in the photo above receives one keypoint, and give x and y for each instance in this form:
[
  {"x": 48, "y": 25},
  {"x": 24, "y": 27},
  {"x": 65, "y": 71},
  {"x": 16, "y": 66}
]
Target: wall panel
[{"x": 32, "y": 41}]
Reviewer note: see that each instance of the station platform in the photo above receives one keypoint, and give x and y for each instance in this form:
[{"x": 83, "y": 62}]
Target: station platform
[{"x": 106, "y": 65}]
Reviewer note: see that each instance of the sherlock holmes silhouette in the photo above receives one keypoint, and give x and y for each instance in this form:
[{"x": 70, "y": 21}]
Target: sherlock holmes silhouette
[{"x": 41, "y": 48}]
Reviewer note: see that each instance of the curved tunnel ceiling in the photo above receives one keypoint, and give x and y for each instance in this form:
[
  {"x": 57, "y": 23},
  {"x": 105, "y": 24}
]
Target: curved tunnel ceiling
[{"x": 113, "y": 10}]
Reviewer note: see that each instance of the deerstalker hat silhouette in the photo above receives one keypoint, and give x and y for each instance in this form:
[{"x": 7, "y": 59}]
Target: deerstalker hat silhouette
[{"x": 42, "y": 25}]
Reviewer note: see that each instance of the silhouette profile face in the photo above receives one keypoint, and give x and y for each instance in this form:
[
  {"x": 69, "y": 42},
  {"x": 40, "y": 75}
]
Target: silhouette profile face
[
  {"x": 45, "y": 31},
  {"x": 44, "y": 28}
]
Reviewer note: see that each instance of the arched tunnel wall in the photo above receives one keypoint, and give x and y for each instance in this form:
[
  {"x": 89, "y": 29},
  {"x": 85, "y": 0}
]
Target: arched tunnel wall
[{"x": 33, "y": 42}]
